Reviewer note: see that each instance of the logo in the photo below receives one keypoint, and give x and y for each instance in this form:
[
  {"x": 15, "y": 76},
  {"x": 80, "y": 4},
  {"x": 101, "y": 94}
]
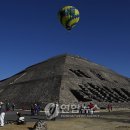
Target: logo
[{"x": 52, "y": 110}]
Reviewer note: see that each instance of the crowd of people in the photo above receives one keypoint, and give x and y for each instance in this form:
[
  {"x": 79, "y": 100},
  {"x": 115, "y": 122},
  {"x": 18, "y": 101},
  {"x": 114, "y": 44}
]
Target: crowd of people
[
  {"x": 84, "y": 108},
  {"x": 5, "y": 107}
]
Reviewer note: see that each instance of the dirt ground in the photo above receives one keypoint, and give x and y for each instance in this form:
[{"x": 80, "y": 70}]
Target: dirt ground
[{"x": 119, "y": 120}]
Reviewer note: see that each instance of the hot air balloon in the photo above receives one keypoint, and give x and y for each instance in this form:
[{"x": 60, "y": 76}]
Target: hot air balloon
[{"x": 69, "y": 16}]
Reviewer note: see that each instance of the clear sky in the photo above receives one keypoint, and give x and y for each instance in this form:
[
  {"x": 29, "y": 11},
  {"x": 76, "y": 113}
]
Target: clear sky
[{"x": 30, "y": 32}]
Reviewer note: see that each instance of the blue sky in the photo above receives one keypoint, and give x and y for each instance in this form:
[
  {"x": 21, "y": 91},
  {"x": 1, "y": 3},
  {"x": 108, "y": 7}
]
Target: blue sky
[{"x": 30, "y": 32}]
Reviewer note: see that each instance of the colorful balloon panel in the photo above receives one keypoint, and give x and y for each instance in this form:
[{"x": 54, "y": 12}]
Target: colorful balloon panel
[{"x": 69, "y": 16}]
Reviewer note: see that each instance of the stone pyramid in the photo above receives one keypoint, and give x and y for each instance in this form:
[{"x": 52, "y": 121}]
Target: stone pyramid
[{"x": 65, "y": 79}]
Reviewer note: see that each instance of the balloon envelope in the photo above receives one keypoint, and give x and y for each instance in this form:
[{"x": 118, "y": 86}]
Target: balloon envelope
[{"x": 69, "y": 16}]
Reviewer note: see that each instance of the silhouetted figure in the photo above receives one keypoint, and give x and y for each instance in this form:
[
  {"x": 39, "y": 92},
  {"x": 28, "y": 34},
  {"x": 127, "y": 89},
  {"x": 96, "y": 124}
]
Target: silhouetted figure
[
  {"x": 32, "y": 110},
  {"x": 13, "y": 106},
  {"x": 109, "y": 107}
]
